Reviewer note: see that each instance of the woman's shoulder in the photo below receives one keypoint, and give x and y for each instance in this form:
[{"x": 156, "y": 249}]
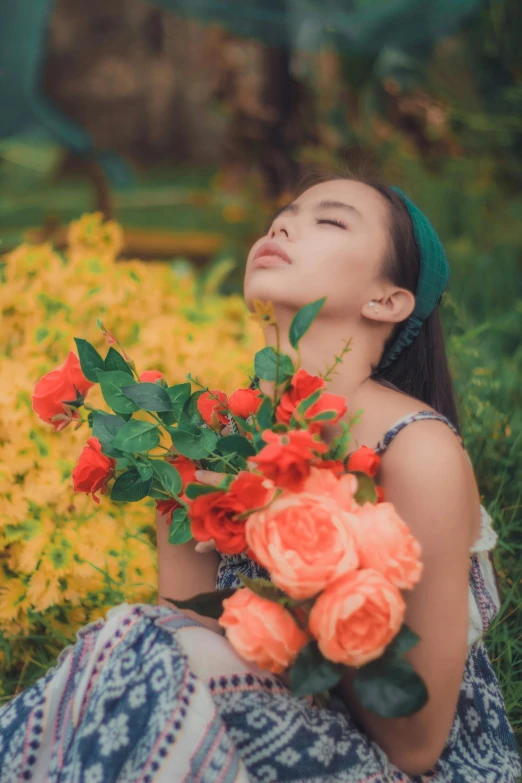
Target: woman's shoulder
[{"x": 386, "y": 411}]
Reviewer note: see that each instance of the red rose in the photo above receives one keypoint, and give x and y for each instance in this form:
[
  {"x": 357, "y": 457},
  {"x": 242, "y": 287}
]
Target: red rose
[
  {"x": 326, "y": 402},
  {"x": 151, "y": 376},
  {"x": 251, "y": 489},
  {"x": 287, "y": 458},
  {"x": 93, "y": 470},
  {"x": 245, "y": 402},
  {"x": 211, "y": 409},
  {"x": 187, "y": 471},
  {"x": 214, "y": 515},
  {"x": 302, "y": 386},
  {"x": 58, "y": 385},
  {"x": 364, "y": 460},
  {"x": 336, "y": 466}
]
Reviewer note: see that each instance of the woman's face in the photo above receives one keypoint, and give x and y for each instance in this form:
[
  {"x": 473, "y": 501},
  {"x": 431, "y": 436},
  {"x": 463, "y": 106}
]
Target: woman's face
[{"x": 335, "y": 235}]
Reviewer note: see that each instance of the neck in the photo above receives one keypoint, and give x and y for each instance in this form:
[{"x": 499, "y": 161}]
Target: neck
[{"x": 325, "y": 340}]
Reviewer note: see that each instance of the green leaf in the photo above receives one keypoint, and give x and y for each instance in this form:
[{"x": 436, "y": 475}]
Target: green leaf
[
  {"x": 324, "y": 416},
  {"x": 263, "y": 415},
  {"x": 148, "y": 396},
  {"x": 206, "y": 604},
  {"x": 195, "y": 490},
  {"x": 145, "y": 471},
  {"x": 248, "y": 427},
  {"x": 390, "y": 687},
  {"x": 303, "y": 319},
  {"x": 112, "y": 384},
  {"x": 189, "y": 413},
  {"x": 105, "y": 427},
  {"x": 180, "y": 532},
  {"x": 404, "y": 641},
  {"x": 115, "y": 361},
  {"x": 90, "y": 360},
  {"x": 264, "y": 588},
  {"x": 136, "y": 437},
  {"x": 235, "y": 444},
  {"x": 366, "y": 492},
  {"x": 312, "y": 672},
  {"x": 157, "y": 491},
  {"x": 265, "y": 365},
  {"x": 179, "y": 395},
  {"x": 309, "y": 401},
  {"x": 193, "y": 443},
  {"x": 168, "y": 476},
  {"x": 129, "y": 487}
]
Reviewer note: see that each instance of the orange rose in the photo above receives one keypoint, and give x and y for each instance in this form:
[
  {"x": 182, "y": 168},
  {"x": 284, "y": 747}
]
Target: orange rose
[
  {"x": 214, "y": 515},
  {"x": 286, "y": 459},
  {"x": 386, "y": 545},
  {"x": 211, "y": 409},
  {"x": 302, "y": 386},
  {"x": 304, "y": 540},
  {"x": 356, "y": 617},
  {"x": 186, "y": 469},
  {"x": 151, "y": 376},
  {"x": 261, "y": 631},
  {"x": 365, "y": 460},
  {"x": 59, "y": 385},
  {"x": 245, "y": 402},
  {"x": 93, "y": 470}
]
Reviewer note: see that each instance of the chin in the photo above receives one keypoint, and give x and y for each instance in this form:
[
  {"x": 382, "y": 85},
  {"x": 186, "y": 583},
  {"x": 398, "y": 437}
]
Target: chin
[{"x": 265, "y": 287}]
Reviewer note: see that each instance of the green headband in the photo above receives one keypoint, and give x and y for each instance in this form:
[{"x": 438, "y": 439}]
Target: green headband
[{"x": 433, "y": 277}]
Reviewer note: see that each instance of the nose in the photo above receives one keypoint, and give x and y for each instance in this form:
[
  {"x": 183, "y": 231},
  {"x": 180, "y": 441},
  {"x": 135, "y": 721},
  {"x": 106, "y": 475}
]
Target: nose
[{"x": 280, "y": 225}]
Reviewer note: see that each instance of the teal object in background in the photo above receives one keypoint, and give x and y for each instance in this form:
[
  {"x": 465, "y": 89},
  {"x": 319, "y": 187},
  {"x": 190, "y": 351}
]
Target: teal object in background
[
  {"x": 370, "y": 26},
  {"x": 23, "y": 38}
]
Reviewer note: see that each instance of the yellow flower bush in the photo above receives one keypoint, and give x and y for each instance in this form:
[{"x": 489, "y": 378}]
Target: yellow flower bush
[{"x": 64, "y": 560}]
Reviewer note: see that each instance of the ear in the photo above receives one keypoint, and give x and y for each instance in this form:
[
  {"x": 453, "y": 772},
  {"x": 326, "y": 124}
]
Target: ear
[{"x": 392, "y": 306}]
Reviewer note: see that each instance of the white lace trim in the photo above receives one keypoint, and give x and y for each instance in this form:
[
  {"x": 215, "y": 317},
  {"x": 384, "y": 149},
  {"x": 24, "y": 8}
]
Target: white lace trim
[
  {"x": 485, "y": 542},
  {"x": 487, "y": 538}
]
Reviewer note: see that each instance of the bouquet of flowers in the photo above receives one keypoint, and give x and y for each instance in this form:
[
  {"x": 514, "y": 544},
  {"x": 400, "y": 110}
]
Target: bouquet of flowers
[{"x": 336, "y": 554}]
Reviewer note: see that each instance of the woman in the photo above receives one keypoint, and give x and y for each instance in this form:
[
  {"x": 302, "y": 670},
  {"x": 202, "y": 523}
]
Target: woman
[{"x": 157, "y": 694}]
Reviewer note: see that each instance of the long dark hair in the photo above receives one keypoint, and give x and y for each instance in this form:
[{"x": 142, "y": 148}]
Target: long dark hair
[{"x": 422, "y": 369}]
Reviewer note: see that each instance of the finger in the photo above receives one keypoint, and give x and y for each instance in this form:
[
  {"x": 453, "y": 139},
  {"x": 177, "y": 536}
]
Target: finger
[
  {"x": 209, "y": 477},
  {"x": 205, "y": 546},
  {"x": 226, "y": 430}
]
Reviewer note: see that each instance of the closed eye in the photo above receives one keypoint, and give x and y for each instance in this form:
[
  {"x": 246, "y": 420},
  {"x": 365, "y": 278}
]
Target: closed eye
[{"x": 332, "y": 222}]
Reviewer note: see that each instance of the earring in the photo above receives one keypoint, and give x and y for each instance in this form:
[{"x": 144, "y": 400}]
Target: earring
[{"x": 372, "y": 304}]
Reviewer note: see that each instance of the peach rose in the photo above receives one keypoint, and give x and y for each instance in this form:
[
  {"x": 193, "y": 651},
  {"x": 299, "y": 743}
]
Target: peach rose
[
  {"x": 386, "y": 545},
  {"x": 341, "y": 489},
  {"x": 261, "y": 630},
  {"x": 356, "y": 617},
  {"x": 305, "y": 540}
]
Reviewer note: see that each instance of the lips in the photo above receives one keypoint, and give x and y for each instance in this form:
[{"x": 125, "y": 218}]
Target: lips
[{"x": 272, "y": 249}]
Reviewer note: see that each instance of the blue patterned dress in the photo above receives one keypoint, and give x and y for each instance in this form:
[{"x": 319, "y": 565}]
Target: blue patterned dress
[{"x": 150, "y": 695}]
